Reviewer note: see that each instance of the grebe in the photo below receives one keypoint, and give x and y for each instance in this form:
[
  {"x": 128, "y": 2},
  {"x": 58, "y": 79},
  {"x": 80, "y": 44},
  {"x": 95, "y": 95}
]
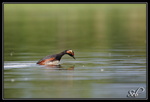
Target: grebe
[{"x": 55, "y": 59}]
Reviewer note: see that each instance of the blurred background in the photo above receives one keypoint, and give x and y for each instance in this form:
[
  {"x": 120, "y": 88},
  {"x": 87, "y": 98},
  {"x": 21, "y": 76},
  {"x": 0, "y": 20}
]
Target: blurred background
[{"x": 46, "y": 28}]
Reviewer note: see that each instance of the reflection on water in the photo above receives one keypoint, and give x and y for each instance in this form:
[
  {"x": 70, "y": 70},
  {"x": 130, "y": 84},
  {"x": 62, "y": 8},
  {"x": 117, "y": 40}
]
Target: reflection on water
[
  {"x": 109, "y": 42},
  {"x": 59, "y": 67}
]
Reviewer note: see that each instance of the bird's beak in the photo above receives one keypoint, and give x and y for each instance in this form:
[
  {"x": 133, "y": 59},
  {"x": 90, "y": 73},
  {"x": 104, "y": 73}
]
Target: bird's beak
[{"x": 73, "y": 57}]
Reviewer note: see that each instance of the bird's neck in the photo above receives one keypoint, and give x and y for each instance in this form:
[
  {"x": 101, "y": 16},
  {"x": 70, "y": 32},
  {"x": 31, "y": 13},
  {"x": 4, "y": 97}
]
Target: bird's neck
[{"x": 58, "y": 57}]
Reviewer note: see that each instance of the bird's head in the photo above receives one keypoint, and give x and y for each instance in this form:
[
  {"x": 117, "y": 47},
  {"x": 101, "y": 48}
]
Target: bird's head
[{"x": 70, "y": 52}]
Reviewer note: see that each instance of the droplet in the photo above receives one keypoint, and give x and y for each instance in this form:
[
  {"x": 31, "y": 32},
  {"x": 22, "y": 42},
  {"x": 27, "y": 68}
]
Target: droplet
[
  {"x": 25, "y": 78},
  {"x": 11, "y": 54},
  {"x": 102, "y": 70},
  {"x": 12, "y": 80},
  {"x": 109, "y": 54}
]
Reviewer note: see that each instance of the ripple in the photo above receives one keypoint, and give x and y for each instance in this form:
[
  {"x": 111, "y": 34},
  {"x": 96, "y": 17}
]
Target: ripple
[{"x": 18, "y": 64}]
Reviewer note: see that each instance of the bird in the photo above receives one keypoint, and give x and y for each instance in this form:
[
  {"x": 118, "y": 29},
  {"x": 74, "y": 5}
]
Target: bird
[{"x": 55, "y": 59}]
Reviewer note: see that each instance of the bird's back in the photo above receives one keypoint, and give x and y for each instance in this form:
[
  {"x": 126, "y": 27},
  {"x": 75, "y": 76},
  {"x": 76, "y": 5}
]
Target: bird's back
[{"x": 49, "y": 58}]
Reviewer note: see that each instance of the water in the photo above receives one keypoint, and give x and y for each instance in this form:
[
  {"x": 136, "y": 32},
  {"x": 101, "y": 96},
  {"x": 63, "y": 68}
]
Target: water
[
  {"x": 109, "y": 42},
  {"x": 91, "y": 75}
]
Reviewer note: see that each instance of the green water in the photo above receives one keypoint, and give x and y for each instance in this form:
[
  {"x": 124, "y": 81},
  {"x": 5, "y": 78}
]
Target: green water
[{"x": 109, "y": 41}]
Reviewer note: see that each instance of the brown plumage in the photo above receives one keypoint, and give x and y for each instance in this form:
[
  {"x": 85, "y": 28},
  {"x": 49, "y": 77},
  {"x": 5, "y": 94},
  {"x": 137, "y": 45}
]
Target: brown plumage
[{"x": 54, "y": 59}]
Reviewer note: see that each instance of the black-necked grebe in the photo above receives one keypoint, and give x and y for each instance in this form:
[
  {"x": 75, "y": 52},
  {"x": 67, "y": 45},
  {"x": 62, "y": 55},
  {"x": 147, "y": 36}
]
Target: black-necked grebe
[{"x": 54, "y": 59}]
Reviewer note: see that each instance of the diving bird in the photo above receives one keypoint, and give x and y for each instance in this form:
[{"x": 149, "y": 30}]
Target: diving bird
[{"x": 55, "y": 59}]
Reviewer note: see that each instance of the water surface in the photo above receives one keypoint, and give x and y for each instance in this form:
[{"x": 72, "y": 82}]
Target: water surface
[{"x": 91, "y": 75}]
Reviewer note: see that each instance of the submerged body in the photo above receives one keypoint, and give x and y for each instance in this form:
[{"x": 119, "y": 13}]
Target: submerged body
[{"x": 55, "y": 59}]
